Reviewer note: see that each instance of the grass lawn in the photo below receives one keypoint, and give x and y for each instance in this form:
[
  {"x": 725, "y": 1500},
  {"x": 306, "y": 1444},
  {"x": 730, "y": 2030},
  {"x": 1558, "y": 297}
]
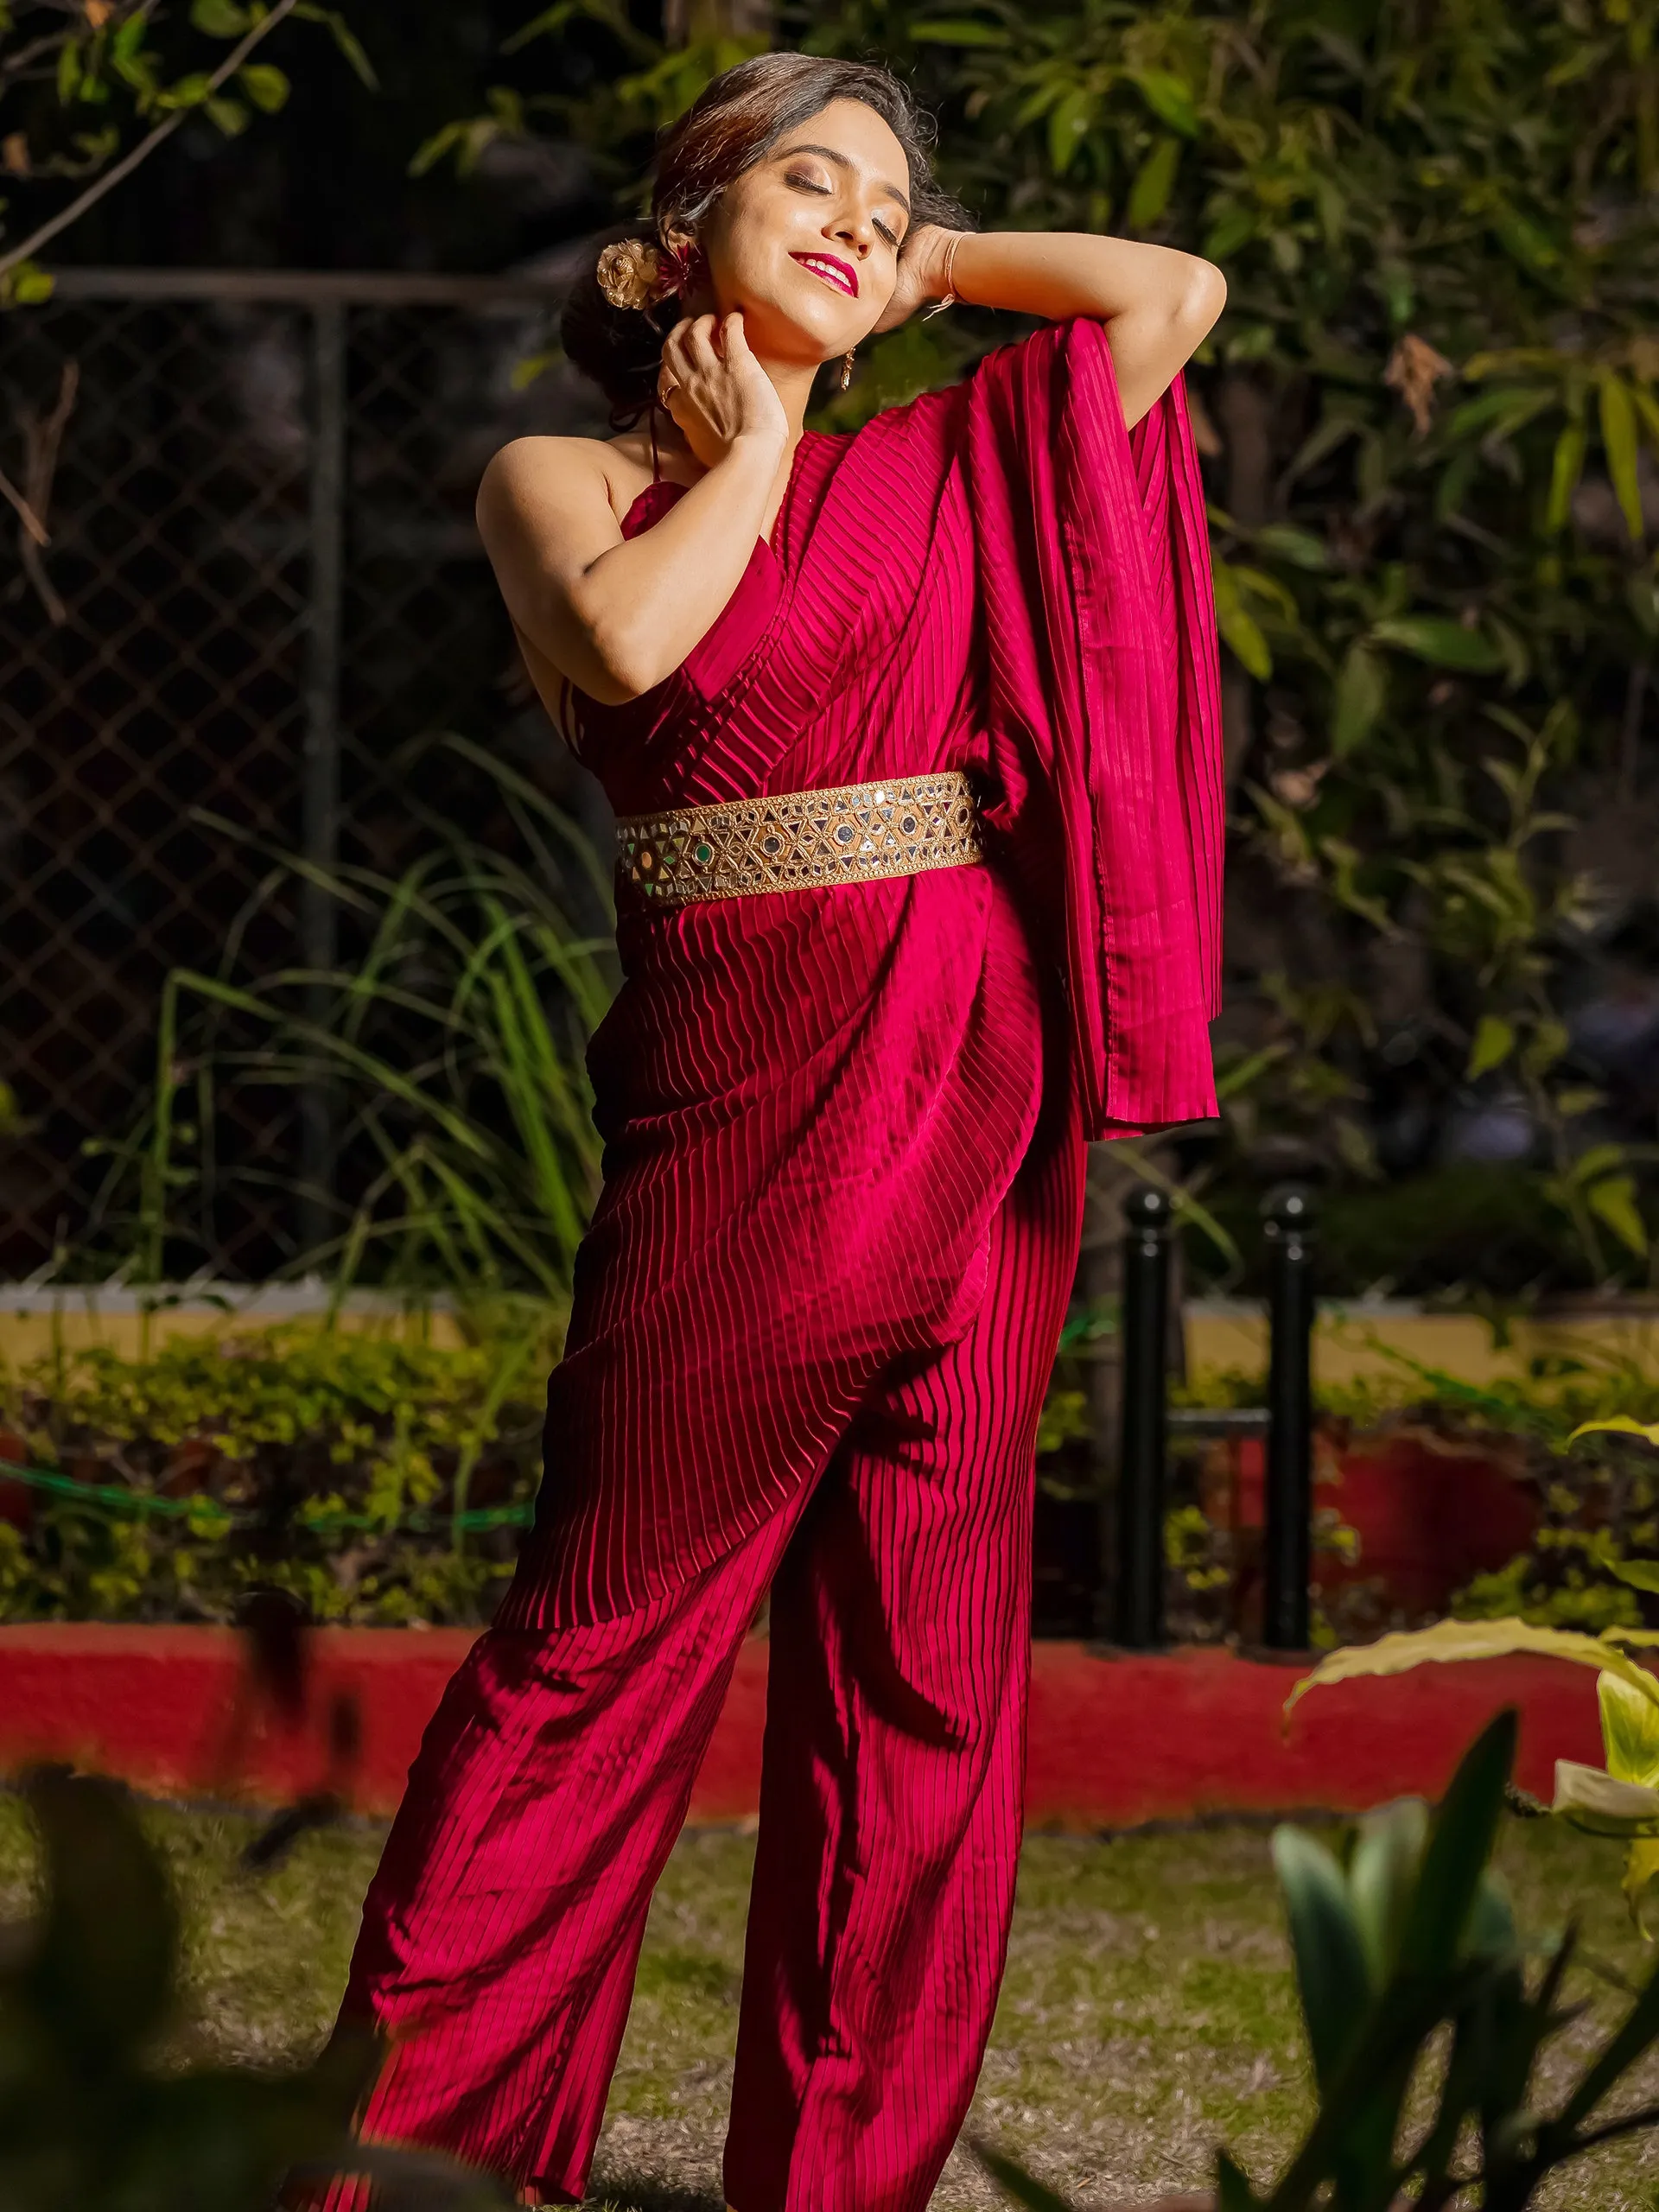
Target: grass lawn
[{"x": 1147, "y": 2012}]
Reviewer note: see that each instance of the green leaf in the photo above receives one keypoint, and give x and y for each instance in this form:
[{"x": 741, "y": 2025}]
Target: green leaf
[
  {"x": 1500, "y": 414},
  {"x": 1440, "y": 641},
  {"x": 958, "y": 30},
  {"x": 230, "y": 115},
  {"x": 1300, "y": 547},
  {"x": 1234, "y": 227},
  {"x": 1068, "y": 121},
  {"x": 100, "y": 1971},
  {"x": 1531, "y": 246},
  {"x": 31, "y": 284},
  {"x": 1154, "y": 180},
  {"x": 268, "y": 88},
  {"x": 1494, "y": 1041},
  {"x": 68, "y": 72},
  {"x": 1565, "y": 471},
  {"x": 1401, "y": 1650},
  {"x": 1617, "y": 1425},
  {"x": 1629, "y": 1724},
  {"x": 188, "y": 91},
  {"x": 1332, "y": 1975},
  {"x": 1380, "y": 1874},
  {"x": 1169, "y": 98},
  {"x": 1459, "y": 1844},
  {"x": 1613, "y": 1201},
  {"x": 346, "y": 40},
  {"x": 1641, "y": 1872},
  {"x": 1601, "y": 1804},
  {"x": 1619, "y": 442},
  {"x": 219, "y": 18},
  {"x": 1239, "y": 627},
  {"x": 1361, "y": 696},
  {"x": 529, "y": 366}
]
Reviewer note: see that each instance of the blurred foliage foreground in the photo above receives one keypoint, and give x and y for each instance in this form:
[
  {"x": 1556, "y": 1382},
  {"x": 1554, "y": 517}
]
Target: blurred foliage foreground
[{"x": 87, "y": 2116}]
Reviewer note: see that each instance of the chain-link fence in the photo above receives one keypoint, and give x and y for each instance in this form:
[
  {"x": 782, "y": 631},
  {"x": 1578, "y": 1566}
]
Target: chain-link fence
[{"x": 261, "y": 584}]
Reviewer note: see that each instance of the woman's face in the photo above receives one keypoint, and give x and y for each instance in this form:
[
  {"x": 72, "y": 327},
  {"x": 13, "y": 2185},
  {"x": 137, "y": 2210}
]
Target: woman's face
[{"x": 807, "y": 241}]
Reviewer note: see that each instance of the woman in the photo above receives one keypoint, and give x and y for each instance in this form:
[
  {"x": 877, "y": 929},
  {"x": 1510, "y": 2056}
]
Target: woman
[{"x": 912, "y": 738}]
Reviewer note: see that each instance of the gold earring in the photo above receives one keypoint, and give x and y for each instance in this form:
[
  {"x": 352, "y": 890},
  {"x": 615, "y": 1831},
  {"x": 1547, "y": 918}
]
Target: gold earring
[{"x": 846, "y": 368}]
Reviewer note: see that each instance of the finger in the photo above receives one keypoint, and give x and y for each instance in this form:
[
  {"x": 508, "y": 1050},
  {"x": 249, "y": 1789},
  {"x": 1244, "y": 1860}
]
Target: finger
[
  {"x": 674, "y": 355},
  {"x": 700, "y": 344},
  {"x": 734, "y": 338}
]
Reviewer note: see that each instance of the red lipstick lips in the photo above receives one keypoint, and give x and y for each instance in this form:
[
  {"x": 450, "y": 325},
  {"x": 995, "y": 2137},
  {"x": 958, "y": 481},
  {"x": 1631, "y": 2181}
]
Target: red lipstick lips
[{"x": 833, "y": 270}]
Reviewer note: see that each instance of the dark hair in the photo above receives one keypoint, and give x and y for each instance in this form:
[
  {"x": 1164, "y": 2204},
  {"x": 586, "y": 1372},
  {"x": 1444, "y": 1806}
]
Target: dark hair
[{"x": 734, "y": 123}]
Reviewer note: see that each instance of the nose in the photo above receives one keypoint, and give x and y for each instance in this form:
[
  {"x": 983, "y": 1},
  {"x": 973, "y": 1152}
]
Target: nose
[{"x": 852, "y": 227}]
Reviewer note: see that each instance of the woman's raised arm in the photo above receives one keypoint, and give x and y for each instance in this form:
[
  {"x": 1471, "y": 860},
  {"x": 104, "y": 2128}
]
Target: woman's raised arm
[
  {"x": 1157, "y": 304},
  {"x": 616, "y": 615}
]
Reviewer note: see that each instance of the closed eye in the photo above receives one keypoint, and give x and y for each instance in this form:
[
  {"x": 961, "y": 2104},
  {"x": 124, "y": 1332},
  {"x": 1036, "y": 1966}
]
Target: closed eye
[{"x": 803, "y": 182}]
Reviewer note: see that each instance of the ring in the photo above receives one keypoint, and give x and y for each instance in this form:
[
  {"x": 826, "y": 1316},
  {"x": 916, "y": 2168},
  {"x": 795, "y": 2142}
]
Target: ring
[{"x": 665, "y": 393}]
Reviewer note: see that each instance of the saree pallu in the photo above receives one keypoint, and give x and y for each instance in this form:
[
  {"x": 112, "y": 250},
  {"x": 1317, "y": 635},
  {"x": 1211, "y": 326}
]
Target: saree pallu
[{"x": 812, "y": 1102}]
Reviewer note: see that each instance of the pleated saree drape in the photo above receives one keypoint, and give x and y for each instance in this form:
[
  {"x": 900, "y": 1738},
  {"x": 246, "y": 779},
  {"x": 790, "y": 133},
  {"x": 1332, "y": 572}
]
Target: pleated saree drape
[
  {"x": 815, "y": 1313},
  {"x": 812, "y": 1102}
]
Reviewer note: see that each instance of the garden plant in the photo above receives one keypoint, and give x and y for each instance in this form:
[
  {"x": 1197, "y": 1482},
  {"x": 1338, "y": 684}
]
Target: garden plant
[
  {"x": 379, "y": 1480},
  {"x": 1404, "y": 1936}
]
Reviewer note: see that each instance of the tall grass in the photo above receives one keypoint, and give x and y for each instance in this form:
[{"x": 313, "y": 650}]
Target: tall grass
[{"x": 451, "y": 1050}]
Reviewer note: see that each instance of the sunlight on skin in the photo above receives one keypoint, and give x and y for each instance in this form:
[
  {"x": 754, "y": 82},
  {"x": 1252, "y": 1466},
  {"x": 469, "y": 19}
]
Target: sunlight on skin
[{"x": 803, "y": 257}]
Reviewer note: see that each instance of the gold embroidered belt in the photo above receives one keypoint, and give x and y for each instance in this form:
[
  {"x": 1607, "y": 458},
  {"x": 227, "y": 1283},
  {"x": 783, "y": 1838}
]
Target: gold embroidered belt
[{"x": 899, "y": 825}]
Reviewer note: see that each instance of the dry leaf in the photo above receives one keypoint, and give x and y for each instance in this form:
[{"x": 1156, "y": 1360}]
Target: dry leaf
[
  {"x": 1414, "y": 368},
  {"x": 14, "y": 152}
]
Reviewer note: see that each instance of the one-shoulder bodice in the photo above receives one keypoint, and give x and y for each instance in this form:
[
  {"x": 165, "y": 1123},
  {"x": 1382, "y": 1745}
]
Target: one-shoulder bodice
[{"x": 813, "y": 1100}]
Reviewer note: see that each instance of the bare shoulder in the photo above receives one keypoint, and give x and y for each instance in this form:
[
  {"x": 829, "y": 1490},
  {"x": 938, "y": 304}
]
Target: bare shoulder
[
  {"x": 532, "y": 471},
  {"x": 543, "y": 473}
]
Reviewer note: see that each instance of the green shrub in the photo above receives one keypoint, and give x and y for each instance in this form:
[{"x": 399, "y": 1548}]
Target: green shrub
[{"x": 382, "y": 1481}]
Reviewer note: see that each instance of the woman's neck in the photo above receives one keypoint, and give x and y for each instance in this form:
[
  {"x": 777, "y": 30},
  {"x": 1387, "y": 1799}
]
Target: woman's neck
[{"x": 793, "y": 384}]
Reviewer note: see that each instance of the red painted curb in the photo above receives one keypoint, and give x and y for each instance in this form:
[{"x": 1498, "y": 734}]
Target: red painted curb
[{"x": 1114, "y": 1741}]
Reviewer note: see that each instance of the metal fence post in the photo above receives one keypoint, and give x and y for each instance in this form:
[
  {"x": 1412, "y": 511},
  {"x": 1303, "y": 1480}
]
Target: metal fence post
[
  {"x": 1138, "y": 1611},
  {"x": 320, "y": 804},
  {"x": 1289, "y": 1536}
]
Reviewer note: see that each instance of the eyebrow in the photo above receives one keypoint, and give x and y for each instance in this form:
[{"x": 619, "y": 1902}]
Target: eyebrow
[{"x": 830, "y": 154}]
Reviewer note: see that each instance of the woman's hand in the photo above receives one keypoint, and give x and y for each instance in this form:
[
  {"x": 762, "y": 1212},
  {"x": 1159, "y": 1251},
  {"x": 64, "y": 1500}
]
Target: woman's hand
[
  {"x": 921, "y": 274},
  {"x": 714, "y": 389},
  {"x": 1156, "y": 304}
]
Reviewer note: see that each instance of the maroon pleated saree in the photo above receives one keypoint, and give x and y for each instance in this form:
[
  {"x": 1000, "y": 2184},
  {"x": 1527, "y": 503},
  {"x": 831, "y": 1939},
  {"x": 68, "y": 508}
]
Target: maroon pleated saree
[{"x": 812, "y": 1102}]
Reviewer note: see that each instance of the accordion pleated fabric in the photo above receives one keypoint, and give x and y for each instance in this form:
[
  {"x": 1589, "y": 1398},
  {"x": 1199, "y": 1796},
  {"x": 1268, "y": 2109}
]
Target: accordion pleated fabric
[{"x": 812, "y": 1102}]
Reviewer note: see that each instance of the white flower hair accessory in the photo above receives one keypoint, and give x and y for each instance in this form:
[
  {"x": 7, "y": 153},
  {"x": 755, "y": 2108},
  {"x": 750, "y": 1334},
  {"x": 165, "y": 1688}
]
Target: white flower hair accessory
[{"x": 635, "y": 273}]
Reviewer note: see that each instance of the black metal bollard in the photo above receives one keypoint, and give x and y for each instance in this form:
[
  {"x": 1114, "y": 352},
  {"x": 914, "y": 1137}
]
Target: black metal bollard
[
  {"x": 1288, "y": 1537},
  {"x": 1138, "y": 1593}
]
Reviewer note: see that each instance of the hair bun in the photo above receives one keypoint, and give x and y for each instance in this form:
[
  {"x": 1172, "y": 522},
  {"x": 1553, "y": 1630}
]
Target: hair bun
[{"x": 635, "y": 273}]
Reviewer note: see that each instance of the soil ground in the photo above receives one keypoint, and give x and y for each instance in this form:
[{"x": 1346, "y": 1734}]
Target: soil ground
[{"x": 1148, "y": 2012}]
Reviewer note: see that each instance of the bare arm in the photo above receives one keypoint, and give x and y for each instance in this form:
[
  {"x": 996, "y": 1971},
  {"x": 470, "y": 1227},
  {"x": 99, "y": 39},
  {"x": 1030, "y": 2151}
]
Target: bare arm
[
  {"x": 1157, "y": 304},
  {"x": 615, "y": 614}
]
